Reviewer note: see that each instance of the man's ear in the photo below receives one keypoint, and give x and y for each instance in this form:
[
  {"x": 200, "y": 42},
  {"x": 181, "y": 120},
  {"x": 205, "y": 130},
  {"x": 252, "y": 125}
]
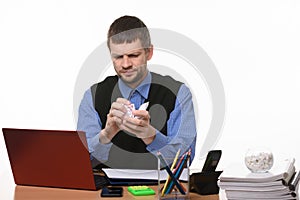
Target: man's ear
[{"x": 150, "y": 52}]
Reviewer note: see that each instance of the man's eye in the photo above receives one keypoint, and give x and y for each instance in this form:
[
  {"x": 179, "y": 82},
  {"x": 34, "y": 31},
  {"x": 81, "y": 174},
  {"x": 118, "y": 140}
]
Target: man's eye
[
  {"x": 118, "y": 57},
  {"x": 133, "y": 55}
]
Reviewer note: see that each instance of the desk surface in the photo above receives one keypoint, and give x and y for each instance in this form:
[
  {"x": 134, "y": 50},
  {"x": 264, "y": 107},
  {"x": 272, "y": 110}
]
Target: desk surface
[
  {"x": 10, "y": 191},
  {"x": 38, "y": 193}
]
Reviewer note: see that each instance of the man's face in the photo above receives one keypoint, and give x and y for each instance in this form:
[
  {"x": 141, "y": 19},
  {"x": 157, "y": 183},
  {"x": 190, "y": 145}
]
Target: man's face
[{"x": 130, "y": 61}]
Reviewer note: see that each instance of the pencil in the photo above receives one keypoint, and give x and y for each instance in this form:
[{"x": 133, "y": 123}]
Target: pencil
[
  {"x": 178, "y": 171},
  {"x": 174, "y": 180},
  {"x": 169, "y": 177}
]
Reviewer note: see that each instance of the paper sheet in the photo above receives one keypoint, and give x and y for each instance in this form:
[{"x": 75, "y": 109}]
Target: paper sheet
[{"x": 140, "y": 174}]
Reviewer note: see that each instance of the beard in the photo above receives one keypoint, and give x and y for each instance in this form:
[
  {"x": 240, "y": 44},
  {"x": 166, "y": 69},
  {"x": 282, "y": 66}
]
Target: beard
[{"x": 135, "y": 75}]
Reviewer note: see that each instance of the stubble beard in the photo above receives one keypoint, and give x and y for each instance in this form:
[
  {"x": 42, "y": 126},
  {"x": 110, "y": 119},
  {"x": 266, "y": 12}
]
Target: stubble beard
[{"x": 137, "y": 77}]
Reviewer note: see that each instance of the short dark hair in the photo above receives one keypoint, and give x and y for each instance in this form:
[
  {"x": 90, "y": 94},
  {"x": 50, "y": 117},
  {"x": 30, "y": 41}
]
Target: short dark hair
[{"x": 128, "y": 29}]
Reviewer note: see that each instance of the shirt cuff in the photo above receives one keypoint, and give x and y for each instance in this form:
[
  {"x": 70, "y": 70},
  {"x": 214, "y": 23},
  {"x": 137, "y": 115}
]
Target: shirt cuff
[
  {"x": 100, "y": 151},
  {"x": 159, "y": 142}
]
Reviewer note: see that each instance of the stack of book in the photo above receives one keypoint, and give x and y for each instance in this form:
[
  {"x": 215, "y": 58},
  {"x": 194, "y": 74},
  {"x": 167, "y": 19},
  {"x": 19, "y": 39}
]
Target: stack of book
[{"x": 280, "y": 182}]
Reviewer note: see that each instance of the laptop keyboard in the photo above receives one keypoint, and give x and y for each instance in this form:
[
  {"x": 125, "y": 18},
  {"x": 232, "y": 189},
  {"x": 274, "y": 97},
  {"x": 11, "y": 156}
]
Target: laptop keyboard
[{"x": 100, "y": 181}]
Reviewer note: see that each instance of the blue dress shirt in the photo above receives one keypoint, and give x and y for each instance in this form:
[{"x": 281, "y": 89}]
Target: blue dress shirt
[{"x": 181, "y": 124}]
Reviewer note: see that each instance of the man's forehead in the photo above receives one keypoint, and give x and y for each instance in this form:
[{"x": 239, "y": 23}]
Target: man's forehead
[{"x": 126, "y": 48}]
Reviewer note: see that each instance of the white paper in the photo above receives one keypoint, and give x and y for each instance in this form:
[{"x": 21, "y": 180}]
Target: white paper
[
  {"x": 144, "y": 106},
  {"x": 281, "y": 170},
  {"x": 141, "y": 174}
]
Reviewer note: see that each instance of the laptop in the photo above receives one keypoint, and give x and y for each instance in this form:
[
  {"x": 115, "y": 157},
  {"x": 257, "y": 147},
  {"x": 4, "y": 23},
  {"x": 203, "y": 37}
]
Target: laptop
[{"x": 51, "y": 158}]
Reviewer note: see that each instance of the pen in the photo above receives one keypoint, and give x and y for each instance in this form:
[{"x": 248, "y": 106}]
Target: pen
[
  {"x": 174, "y": 180},
  {"x": 295, "y": 182},
  {"x": 172, "y": 167}
]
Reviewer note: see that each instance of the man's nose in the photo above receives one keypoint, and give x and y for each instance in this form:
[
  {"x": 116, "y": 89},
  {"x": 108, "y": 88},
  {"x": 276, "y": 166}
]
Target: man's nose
[{"x": 126, "y": 62}]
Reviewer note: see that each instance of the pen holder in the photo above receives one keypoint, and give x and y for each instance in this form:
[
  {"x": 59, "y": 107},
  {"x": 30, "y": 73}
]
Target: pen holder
[
  {"x": 205, "y": 183},
  {"x": 176, "y": 187}
]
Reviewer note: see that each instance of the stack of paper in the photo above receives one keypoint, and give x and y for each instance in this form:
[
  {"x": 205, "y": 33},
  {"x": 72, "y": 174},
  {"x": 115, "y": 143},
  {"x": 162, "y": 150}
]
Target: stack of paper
[{"x": 239, "y": 183}]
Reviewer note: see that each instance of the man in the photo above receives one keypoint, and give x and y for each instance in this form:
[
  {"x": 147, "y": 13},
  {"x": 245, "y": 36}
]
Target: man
[{"x": 122, "y": 141}]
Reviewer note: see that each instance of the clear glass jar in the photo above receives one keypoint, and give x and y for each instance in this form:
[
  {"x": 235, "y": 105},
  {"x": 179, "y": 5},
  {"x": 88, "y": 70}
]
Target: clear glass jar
[{"x": 259, "y": 159}]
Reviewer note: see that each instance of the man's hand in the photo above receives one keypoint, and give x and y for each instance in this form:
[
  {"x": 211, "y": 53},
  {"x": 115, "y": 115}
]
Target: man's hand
[
  {"x": 114, "y": 120},
  {"x": 139, "y": 126}
]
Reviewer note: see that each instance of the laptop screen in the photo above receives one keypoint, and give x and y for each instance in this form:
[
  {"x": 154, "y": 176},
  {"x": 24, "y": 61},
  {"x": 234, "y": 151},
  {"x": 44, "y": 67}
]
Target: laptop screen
[{"x": 50, "y": 158}]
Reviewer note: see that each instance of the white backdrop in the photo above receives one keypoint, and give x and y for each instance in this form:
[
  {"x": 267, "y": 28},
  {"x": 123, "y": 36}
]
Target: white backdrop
[{"x": 254, "y": 44}]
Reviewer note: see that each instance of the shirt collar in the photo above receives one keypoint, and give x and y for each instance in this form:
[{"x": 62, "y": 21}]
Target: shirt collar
[{"x": 143, "y": 88}]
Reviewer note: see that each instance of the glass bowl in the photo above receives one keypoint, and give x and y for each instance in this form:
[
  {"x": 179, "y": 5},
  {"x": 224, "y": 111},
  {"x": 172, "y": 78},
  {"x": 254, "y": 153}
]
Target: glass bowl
[{"x": 259, "y": 160}]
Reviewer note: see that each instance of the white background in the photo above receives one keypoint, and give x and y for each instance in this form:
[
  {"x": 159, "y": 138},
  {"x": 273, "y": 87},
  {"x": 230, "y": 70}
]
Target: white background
[{"x": 254, "y": 44}]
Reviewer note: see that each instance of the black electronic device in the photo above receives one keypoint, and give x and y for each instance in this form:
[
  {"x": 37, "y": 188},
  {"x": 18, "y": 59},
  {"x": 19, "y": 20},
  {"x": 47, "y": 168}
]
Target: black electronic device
[
  {"x": 205, "y": 182},
  {"x": 212, "y": 160},
  {"x": 112, "y": 192}
]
